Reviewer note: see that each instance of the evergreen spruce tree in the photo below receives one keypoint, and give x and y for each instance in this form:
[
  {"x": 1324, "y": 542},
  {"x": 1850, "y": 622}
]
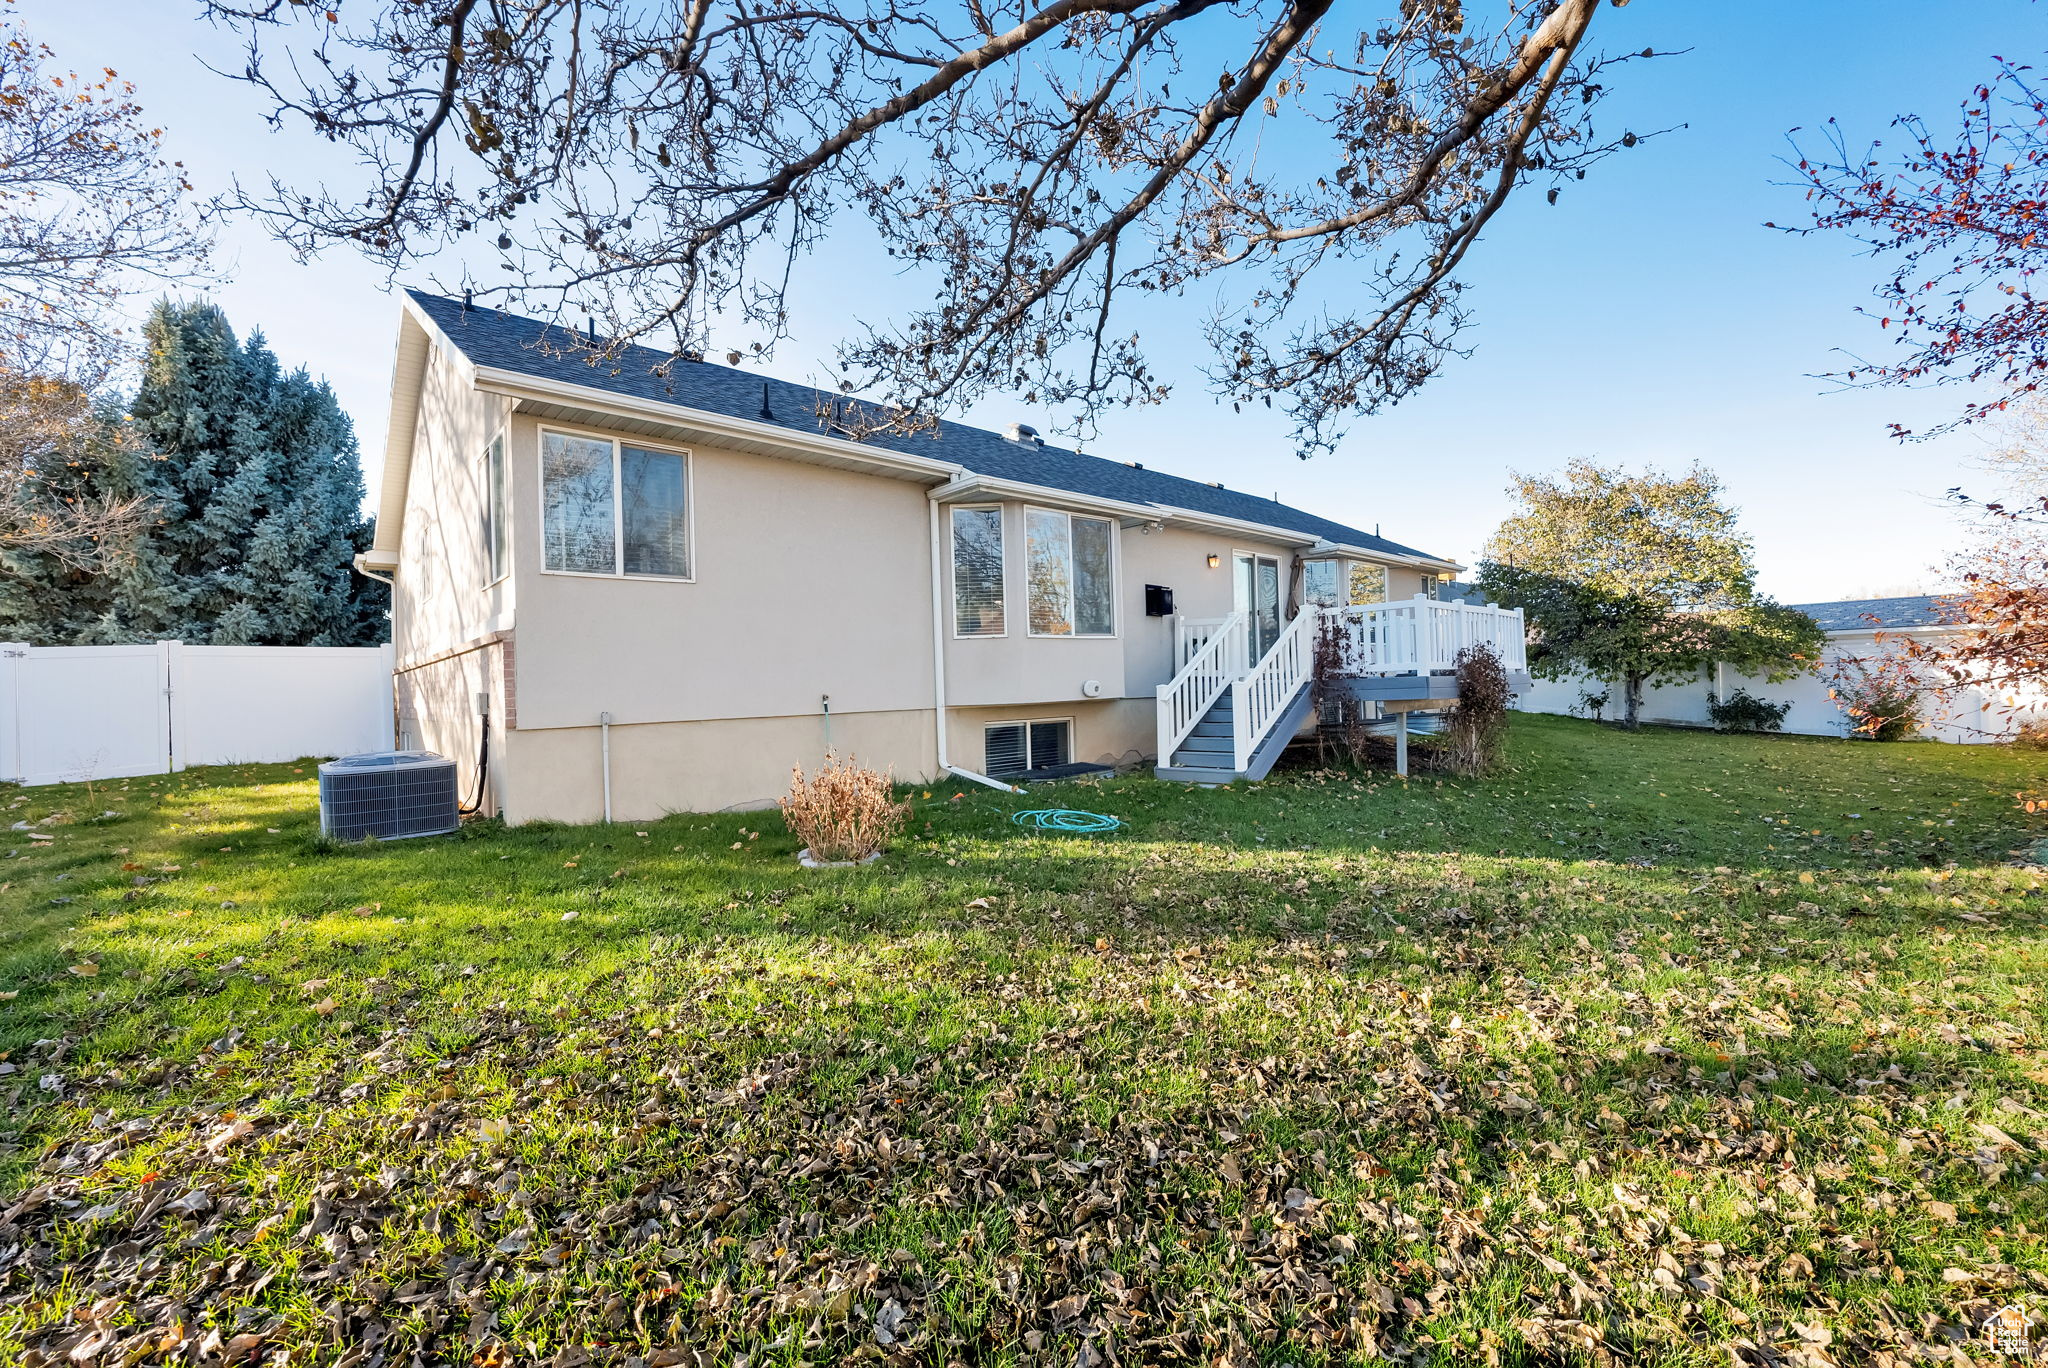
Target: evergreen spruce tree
[{"x": 259, "y": 493}]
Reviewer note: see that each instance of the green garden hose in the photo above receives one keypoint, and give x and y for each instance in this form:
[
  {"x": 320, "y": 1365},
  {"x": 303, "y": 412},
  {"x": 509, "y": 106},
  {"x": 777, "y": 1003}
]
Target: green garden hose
[{"x": 1066, "y": 819}]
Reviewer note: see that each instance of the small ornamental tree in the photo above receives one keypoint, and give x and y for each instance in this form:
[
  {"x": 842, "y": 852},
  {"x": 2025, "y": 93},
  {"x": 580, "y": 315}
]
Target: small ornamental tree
[
  {"x": 1638, "y": 578},
  {"x": 69, "y": 509},
  {"x": 2000, "y": 645}
]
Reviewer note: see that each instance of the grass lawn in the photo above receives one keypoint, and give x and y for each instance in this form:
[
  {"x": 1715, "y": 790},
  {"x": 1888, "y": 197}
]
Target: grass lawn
[{"x": 1652, "y": 1046}]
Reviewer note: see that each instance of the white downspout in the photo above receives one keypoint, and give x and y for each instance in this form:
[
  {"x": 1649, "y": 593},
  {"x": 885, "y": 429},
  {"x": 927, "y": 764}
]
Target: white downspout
[
  {"x": 604, "y": 727},
  {"x": 939, "y": 668}
]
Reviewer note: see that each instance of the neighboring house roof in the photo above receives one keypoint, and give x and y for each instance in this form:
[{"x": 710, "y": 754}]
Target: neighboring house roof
[
  {"x": 1844, "y": 615},
  {"x": 504, "y": 341},
  {"x": 1869, "y": 615}
]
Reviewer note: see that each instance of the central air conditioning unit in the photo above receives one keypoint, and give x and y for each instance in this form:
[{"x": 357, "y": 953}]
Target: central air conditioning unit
[{"x": 389, "y": 795}]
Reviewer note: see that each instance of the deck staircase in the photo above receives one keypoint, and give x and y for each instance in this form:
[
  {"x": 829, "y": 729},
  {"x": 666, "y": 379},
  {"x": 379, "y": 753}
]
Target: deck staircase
[
  {"x": 1208, "y": 755},
  {"x": 1225, "y": 716}
]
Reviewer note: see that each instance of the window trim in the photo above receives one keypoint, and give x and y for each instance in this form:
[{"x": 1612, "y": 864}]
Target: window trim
[
  {"x": 619, "y": 443},
  {"x": 953, "y": 561},
  {"x": 502, "y": 439},
  {"x": 1116, "y": 575},
  {"x": 1340, "y": 590},
  {"x": 1386, "y": 581},
  {"x": 1027, "y": 723}
]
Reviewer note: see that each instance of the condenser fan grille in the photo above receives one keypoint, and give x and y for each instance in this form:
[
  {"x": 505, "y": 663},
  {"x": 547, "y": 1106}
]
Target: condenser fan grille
[{"x": 389, "y": 795}]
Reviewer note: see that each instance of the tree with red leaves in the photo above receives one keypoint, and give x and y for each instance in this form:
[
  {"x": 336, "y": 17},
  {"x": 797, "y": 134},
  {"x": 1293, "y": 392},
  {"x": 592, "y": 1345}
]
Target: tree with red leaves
[{"x": 1962, "y": 221}]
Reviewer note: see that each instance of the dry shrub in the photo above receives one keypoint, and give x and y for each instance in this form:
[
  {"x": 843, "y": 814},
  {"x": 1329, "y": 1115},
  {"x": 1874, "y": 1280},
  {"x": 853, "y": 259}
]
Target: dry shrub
[
  {"x": 1885, "y": 695},
  {"x": 1478, "y": 728},
  {"x": 1342, "y": 734},
  {"x": 843, "y": 812}
]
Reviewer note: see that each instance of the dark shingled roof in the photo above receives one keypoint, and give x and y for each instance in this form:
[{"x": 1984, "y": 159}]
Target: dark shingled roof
[
  {"x": 1863, "y": 615},
  {"x": 506, "y": 342}
]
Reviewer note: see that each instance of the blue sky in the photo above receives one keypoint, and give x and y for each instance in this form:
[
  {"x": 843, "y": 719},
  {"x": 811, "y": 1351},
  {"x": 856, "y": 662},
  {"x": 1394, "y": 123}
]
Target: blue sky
[{"x": 1647, "y": 318}]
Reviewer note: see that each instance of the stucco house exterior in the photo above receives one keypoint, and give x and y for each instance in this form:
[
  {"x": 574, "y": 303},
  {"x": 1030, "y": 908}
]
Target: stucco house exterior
[{"x": 663, "y": 586}]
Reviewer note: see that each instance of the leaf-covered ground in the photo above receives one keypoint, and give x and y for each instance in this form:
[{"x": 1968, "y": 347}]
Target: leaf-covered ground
[{"x": 1653, "y": 1048}]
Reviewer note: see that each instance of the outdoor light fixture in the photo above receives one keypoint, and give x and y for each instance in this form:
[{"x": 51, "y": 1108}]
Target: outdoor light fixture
[{"x": 1214, "y": 560}]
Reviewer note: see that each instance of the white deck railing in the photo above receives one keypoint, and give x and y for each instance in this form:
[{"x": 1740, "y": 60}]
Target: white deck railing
[
  {"x": 1424, "y": 635},
  {"x": 1264, "y": 693},
  {"x": 1210, "y": 653},
  {"x": 1192, "y": 634},
  {"x": 1420, "y": 636}
]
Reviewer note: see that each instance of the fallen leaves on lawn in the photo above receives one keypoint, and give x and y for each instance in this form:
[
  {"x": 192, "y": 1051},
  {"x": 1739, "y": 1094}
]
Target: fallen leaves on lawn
[{"x": 724, "y": 1199}]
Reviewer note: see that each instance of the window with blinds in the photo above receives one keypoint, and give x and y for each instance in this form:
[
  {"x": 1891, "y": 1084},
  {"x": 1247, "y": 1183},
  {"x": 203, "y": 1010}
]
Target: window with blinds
[
  {"x": 612, "y": 509},
  {"x": 978, "y": 572},
  {"x": 1010, "y": 748},
  {"x": 1071, "y": 574}
]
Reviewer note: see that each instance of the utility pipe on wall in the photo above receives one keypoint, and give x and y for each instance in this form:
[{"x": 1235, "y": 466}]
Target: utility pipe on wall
[{"x": 604, "y": 727}]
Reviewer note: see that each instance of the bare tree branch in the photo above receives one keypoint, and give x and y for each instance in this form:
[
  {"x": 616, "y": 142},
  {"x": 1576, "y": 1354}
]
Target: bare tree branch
[
  {"x": 659, "y": 164},
  {"x": 90, "y": 211}
]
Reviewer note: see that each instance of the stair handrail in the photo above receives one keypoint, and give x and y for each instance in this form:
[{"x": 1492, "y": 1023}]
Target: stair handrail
[
  {"x": 1195, "y": 687},
  {"x": 1269, "y": 686}
]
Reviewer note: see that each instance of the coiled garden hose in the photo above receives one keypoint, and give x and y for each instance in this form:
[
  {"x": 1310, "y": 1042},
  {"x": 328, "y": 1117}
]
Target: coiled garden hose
[{"x": 1066, "y": 819}]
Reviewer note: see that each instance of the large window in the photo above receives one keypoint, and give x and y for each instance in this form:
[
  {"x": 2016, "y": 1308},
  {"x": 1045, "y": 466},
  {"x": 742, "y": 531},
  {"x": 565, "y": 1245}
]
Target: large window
[
  {"x": 1368, "y": 582},
  {"x": 1010, "y": 748},
  {"x": 1319, "y": 582},
  {"x": 1070, "y": 564},
  {"x": 497, "y": 530},
  {"x": 608, "y": 508},
  {"x": 978, "y": 571}
]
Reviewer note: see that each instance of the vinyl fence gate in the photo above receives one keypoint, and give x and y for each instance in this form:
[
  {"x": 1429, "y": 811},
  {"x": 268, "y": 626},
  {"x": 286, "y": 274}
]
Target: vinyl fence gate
[{"x": 70, "y": 713}]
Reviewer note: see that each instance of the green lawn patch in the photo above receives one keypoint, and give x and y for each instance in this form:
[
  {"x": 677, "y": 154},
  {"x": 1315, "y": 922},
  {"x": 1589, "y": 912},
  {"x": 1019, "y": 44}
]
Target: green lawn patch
[{"x": 1652, "y": 1046}]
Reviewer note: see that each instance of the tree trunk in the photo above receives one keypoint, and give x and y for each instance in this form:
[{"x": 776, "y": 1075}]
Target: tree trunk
[{"x": 1631, "y": 701}]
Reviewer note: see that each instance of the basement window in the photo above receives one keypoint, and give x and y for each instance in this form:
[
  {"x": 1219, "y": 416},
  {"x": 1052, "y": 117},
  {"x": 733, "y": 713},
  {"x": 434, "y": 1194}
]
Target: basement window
[{"x": 1010, "y": 748}]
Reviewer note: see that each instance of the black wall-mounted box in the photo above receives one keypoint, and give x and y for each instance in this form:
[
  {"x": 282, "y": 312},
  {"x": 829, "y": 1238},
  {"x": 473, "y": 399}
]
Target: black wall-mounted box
[{"x": 1158, "y": 601}]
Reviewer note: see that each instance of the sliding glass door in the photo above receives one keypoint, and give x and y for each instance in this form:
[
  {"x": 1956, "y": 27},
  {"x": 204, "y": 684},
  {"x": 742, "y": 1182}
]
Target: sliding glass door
[{"x": 1257, "y": 593}]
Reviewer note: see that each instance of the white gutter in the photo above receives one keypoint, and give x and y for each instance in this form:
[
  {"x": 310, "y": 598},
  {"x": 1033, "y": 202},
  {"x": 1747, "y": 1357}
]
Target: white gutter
[
  {"x": 362, "y": 565},
  {"x": 939, "y": 666},
  {"x": 970, "y": 486}
]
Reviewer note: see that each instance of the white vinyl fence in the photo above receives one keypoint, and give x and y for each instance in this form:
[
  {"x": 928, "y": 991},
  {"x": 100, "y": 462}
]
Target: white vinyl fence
[
  {"x": 69, "y": 713},
  {"x": 1973, "y": 716}
]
